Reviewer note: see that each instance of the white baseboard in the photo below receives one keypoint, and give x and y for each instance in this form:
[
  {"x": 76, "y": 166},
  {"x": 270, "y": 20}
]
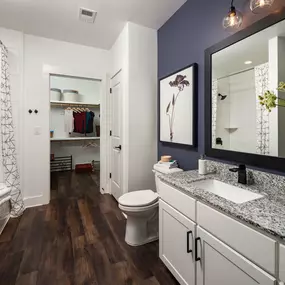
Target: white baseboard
[{"x": 34, "y": 201}]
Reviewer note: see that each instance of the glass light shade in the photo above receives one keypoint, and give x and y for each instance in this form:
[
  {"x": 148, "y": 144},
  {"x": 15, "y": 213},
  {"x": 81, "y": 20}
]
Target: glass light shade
[
  {"x": 260, "y": 6},
  {"x": 233, "y": 20}
]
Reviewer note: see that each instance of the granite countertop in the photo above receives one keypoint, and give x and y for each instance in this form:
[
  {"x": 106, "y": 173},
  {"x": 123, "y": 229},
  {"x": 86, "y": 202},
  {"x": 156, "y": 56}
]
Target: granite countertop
[{"x": 266, "y": 213}]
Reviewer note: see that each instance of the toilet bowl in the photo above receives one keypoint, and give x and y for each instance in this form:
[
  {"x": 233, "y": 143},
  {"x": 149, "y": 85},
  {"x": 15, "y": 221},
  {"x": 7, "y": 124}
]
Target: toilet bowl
[{"x": 141, "y": 209}]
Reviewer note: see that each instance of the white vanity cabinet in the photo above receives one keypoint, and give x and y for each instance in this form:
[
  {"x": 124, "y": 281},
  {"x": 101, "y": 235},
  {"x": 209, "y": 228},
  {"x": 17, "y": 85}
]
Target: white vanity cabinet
[
  {"x": 282, "y": 263},
  {"x": 176, "y": 243},
  {"x": 202, "y": 246},
  {"x": 219, "y": 264}
]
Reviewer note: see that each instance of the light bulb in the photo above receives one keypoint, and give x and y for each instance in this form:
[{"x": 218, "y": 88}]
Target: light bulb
[
  {"x": 232, "y": 20},
  {"x": 260, "y": 6}
]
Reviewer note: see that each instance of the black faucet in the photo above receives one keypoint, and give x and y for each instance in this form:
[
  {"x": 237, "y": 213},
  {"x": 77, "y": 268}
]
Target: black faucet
[{"x": 241, "y": 169}]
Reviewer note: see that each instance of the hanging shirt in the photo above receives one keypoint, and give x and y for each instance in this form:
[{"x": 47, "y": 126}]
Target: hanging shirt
[
  {"x": 89, "y": 122},
  {"x": 68, "y": 121},
  {"x": 79, "y": 122}
]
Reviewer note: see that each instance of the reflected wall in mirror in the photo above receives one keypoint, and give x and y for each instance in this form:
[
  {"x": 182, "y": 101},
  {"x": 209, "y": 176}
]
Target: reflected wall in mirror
[{"x": 241, "y": 73}]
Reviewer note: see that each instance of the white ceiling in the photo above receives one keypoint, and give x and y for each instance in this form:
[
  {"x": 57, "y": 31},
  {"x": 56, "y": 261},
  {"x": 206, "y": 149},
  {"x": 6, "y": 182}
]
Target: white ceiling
[
  {"x": 254, "y": 48},
  {"x": 58, "y": 19}
]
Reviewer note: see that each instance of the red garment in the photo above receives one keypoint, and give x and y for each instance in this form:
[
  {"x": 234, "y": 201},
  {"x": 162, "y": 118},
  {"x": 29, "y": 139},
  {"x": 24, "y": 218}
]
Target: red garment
[{"x": 79, "y": 122}]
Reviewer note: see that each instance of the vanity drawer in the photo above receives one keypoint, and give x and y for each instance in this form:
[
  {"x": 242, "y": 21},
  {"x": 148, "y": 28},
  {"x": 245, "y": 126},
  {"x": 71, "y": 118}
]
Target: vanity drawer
[
  {"x": 178, "y": 200},
  {"x": 282, "y": 263},
  {"x": 255, "y": 246}
]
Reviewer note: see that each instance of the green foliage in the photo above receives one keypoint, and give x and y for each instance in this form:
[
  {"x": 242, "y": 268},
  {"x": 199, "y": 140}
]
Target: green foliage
[{"x": 270, "y": 100}]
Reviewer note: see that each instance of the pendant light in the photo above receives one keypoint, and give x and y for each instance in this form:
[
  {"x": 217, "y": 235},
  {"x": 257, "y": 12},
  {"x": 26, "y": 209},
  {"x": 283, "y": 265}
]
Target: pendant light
[
  {"x": 259, "y": 6},
  {"x": 233, "y": 19}
]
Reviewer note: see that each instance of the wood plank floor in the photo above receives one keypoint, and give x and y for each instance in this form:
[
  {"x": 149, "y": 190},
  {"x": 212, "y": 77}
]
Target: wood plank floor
[{"x": 77, "y": 239}]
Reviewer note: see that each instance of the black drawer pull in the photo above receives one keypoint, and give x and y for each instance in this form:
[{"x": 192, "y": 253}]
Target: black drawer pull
[
  {"x": 188, "y": 236},
  {"x": 196, "y": 249}
]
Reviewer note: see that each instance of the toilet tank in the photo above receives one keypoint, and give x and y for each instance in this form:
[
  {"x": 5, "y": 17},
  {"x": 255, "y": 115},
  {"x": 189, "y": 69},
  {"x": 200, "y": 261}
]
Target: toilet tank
[{"x": 161, "y": 172}]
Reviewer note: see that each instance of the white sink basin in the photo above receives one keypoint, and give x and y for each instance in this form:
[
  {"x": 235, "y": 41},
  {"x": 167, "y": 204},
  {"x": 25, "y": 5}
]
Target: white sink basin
[{"x": 227, "y": 191}]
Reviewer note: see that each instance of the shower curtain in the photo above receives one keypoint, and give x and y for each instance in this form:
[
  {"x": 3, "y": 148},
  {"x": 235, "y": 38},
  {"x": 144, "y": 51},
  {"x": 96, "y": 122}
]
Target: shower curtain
[
  {"x": 8, "y": 147},
  {"x": 214, "y": 110},
  {"x": 262, "y": 115}
]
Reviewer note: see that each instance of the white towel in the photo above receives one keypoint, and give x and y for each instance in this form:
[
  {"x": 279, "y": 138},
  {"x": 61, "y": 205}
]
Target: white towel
[{"x": 164, "y": 170}]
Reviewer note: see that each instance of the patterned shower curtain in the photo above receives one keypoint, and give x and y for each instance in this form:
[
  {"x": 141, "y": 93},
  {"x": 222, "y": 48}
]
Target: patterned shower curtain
[
  {"x": 214, "y": 110},
  {"x": 262, "y": 115},
  {"x": 9, "y": 155}
]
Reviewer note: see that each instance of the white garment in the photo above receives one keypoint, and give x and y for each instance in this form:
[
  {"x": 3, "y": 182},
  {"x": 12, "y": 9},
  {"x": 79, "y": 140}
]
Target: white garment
[{"x": 68, "y": 121}]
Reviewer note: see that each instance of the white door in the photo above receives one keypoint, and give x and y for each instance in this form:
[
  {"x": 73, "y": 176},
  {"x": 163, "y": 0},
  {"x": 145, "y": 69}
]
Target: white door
[
  {"x": 176, "y": 243},
  {"x": 116, "y": 132},
  {"x": 221, "y": 265}
]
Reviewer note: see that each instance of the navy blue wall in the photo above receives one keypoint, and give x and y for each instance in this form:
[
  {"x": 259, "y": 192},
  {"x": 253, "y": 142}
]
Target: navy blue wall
[{"x": 182, "y": 40}]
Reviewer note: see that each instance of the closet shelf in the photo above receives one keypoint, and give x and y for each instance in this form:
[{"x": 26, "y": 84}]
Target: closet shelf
[
  {"x": 75, "y": 139},
  {"x": 65, "y": 104}
]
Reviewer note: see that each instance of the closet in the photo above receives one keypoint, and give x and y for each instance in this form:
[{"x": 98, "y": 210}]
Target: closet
[{"x": 74, "y": 123}]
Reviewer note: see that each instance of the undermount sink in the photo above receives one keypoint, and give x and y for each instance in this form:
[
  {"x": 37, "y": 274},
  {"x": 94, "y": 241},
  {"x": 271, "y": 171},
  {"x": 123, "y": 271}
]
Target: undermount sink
[{"x": 227, "y": 191}]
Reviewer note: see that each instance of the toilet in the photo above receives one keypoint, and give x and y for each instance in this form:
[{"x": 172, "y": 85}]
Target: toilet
[{"x": 141, "y": 209}]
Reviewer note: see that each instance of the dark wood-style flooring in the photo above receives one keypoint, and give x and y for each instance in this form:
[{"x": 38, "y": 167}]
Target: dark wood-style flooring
[{"x": 77, "y": 239}]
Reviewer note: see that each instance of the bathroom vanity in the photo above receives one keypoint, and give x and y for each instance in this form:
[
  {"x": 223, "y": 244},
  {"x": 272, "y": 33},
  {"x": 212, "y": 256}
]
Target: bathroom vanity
[{"x": 206, "y": 239}]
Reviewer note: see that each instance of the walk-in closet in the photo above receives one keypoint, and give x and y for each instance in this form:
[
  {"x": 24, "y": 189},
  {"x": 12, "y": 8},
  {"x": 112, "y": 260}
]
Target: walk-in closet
[{"x": 74, "y": 124}]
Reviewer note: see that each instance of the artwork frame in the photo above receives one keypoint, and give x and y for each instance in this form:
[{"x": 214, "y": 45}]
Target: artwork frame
[{"x": 181, "y": 82}]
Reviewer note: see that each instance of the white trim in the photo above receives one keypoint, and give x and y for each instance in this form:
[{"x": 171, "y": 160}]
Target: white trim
[{"x": 35, "y": 201}]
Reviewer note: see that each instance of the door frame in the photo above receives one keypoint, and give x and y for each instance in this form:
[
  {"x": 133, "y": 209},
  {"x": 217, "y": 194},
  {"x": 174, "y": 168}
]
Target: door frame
[{"x": 108, "y": 189}]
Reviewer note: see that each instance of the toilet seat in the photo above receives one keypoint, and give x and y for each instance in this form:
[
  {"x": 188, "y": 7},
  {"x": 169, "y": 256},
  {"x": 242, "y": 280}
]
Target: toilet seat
[
  {"x": 138, "y": 199},
  {"x": 138, "y": 209}
]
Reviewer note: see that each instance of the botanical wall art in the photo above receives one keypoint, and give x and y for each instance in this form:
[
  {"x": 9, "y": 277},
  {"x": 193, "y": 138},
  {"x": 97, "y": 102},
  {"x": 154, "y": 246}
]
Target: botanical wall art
[{"x": 178, "y": 93}]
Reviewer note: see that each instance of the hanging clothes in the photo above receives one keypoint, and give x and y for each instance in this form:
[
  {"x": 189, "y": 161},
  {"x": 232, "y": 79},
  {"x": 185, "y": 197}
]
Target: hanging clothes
[
  {"x": 89, "y": 122},
  {"x": 68, "y": 121},
  {"x": 79, "y": 122}
]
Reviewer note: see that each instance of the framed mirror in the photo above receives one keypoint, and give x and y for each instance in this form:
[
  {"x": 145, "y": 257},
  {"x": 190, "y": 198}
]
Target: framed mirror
[{"x": 245, "y": 96}]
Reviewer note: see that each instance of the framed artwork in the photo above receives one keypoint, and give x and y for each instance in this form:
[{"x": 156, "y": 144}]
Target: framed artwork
[{"x": 178, "y": 106}]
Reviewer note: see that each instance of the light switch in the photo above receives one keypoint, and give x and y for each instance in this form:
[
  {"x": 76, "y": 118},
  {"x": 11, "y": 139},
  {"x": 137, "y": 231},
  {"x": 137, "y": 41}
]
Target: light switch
[{"x": 37, "y": 131}]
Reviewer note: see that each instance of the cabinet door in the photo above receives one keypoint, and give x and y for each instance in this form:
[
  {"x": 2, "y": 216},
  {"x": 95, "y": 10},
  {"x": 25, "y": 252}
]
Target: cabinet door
[
  {"x": 282, "y": 263},
  {"x": 221, "y": 265},
  {"x": 176, "y": 243}
]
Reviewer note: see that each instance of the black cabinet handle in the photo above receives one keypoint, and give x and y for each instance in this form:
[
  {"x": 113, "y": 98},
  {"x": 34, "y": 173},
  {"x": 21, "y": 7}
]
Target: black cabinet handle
[
  {"x": 196, "y": 249},
  {"x": 188, "y": 236}
]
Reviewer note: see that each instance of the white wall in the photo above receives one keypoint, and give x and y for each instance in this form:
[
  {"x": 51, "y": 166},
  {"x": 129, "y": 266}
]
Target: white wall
[
  {"x": 32, "y": 59},
  {"x": 223, "y": 113},
  {"x": 277, "y": 115},
  {"x": 238, "y": 111},
  {"x": 243, "y": 112},
  {"x": 142, "y": 104},
  {"x": 42, "y": 57},
  {"x": 135, "y": 54},
  {"x": 35, "y": 58}
]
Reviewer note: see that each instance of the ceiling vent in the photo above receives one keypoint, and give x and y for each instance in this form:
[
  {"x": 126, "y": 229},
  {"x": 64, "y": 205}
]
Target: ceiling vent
[{"x": 86, "y": 15}]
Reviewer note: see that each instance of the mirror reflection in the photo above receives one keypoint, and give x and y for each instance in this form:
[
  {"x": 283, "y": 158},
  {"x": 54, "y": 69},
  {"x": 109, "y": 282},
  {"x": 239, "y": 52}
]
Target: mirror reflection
[{"x": 248, "y": 94}]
